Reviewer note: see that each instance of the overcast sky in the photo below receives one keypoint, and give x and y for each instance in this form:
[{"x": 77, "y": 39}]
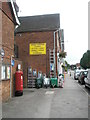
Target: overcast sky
[{"x": 73, "y": 19}]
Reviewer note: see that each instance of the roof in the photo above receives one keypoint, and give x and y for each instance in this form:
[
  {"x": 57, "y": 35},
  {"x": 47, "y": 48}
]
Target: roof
[
  {"x": 10, "y": 8},
  {"x": 14, "y": 11},
  {"x": 39, "y": 23}
]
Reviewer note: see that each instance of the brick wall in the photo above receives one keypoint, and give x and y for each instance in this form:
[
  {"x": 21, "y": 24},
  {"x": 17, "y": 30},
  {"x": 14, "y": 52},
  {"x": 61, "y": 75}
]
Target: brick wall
[
  {"x": 5, "y": 90},
  {"x": 8, "y": 46},
  {"x": 38, "y": 62},
  {"x": 7, "y": 38},
  {"x": 6, "y": 9}
]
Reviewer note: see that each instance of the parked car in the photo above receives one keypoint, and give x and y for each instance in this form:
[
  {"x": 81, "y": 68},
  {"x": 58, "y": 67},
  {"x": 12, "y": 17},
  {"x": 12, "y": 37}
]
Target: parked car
[
  {"x": 76, "y": 74},
  {"x": 82, "y": 76},
  {"x": 87, "y": 79}
]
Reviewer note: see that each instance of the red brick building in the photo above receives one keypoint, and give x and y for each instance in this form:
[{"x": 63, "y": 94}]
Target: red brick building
[
  {"x": 8, "y": 16},
  {"x": 78, "y": 65},
  {"x": 41, "y": 29}
]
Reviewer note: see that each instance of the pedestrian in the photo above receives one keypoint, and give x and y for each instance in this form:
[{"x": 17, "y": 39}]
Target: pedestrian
[{"x": 70, "y": 73}]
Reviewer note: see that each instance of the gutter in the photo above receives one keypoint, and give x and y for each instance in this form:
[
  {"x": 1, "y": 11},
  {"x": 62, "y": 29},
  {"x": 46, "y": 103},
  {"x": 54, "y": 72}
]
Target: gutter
[{"x": 14, "y": 11}]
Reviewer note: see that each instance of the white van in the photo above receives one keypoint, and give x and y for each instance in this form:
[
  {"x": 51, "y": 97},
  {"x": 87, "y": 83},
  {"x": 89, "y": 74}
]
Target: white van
[{"x": 87, "y": 80}]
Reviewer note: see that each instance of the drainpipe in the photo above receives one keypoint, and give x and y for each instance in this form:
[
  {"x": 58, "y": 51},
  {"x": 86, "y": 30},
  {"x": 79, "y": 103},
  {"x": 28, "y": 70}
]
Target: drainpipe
[
  {"x": 11, "y": 78},
  {"x": 54, "y": 54}
]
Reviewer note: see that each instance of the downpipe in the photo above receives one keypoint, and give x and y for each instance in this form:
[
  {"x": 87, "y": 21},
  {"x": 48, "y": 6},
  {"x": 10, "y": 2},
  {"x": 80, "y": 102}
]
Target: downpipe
[{"x": 54, "y": 53}]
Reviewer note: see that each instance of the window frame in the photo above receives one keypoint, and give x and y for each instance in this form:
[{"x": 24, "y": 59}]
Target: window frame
[{"x": 7, "y": 72}]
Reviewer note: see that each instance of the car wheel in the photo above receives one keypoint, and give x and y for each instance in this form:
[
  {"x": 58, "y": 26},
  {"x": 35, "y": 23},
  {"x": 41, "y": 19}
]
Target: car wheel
[
  {"x": 85, "y": 85},
  {"x": 81, "y": 82},
  {"x": 74, "y": 78},
  {"x": 78, "y": 81}
]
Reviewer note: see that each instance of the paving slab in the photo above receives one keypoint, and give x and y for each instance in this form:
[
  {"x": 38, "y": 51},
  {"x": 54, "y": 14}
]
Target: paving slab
[{"x": 68, "y": 102}]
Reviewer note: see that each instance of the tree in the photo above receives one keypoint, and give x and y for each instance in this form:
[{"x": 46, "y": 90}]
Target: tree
[
  {"x": 85, "y": 60},
  {"x": 62, "y": 54},
  {"x": 66, "y": 66}
]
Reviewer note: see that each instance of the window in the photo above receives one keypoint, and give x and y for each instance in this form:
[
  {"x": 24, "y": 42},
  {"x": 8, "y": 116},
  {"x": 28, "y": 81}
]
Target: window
[
  {"x": 8, "y": 72},
  {"x": 3, "y": 72}
]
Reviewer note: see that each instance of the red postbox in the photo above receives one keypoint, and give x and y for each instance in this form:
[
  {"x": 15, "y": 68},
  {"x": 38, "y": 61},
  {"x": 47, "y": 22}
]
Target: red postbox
[{"x": 18, "y": 83}]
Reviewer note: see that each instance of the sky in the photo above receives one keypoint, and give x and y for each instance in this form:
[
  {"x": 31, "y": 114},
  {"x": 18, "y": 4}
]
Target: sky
[{"x": 73, "y": 19}]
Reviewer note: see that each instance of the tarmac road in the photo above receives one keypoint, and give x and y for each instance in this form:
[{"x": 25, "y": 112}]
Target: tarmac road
[{"x": 68, "y": 102}]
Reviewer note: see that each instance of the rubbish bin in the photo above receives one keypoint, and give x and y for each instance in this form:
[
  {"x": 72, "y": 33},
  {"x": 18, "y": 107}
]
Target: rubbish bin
[
  {"x": 40, "y": 74},
  {"x": 39, "y": 83},
  {"x": 61, "y": 80},
  {"x": 54, "y": 82},
  {"x": 39, "y": 80},
  {"x": 46, "y": 82}
]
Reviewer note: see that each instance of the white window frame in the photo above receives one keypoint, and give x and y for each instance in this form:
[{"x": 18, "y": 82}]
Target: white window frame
[
  {"x": 3, "y": 72},
  {"x": 8, "y": 72}
]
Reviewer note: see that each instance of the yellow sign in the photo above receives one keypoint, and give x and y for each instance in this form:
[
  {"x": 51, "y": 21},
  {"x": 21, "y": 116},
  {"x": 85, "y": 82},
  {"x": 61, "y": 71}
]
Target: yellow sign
[{"x": 37, "y": 48}]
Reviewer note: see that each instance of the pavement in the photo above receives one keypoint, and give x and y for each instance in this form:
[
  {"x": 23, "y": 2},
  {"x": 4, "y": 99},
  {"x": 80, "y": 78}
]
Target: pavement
[{"x": 68, "y": 102}]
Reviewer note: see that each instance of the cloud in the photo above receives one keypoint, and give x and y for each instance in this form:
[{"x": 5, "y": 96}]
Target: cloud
[{"x": 73, "y": 19}]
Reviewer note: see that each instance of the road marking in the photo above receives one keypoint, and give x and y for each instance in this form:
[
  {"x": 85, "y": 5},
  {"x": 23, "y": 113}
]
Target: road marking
[
  {"x": 49, "y": 92},
  {"x": 84, "y": 90}
]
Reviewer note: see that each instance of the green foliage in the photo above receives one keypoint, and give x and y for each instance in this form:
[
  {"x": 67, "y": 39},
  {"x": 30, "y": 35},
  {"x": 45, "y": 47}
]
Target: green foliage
[
  {"x": 62, "y": 54},
  {"x": 85, "y": 60},
  {"x": 66, "y": 66}
]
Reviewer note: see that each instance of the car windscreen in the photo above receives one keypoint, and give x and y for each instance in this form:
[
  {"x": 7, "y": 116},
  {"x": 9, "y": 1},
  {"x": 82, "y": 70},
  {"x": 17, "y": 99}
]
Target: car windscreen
[
  {"x": 85, "y": 73},
  {"x": 77, "y": 71}
]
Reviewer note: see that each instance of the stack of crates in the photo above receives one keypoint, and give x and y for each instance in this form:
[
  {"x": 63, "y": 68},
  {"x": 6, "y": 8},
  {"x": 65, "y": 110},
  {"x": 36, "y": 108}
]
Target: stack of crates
[
  {"x": 29, "y": 83},
  {"x": 32, "y": 76}
]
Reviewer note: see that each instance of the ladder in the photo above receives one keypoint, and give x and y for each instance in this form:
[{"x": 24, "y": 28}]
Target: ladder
[{"x": 52, "y": 63}]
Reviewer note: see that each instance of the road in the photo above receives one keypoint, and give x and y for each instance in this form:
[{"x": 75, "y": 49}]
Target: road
[
  {"x": 68, "y": 102},
  {"x": 87, "y": 90}
]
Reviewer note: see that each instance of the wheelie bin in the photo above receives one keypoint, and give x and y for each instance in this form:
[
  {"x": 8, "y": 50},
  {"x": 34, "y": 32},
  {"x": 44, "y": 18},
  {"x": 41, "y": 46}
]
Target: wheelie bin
[
  {"x": 39, "y": 80},
  {"x": 46, "y": 82},
  {"x": 54, "y": 82}
]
